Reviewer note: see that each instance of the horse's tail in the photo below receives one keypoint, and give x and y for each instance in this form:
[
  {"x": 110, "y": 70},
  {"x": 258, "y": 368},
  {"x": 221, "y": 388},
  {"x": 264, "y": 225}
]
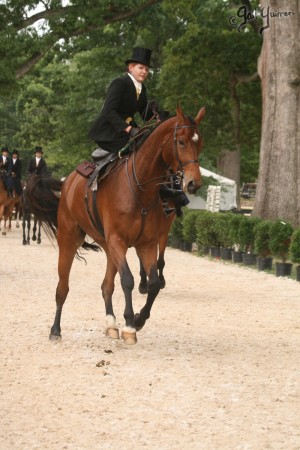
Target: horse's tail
[{"x": 42, "y": 195}]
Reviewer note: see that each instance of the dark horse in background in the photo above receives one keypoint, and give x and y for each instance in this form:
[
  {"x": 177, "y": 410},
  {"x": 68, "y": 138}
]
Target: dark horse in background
[
  {"x": 26, "y": 221},
  {"x": 128, "y": 204}
]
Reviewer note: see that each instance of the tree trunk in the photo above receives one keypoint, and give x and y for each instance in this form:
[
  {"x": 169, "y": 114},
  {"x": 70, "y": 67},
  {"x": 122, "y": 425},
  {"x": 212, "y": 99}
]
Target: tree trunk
[{"x": 278, "y": 190}]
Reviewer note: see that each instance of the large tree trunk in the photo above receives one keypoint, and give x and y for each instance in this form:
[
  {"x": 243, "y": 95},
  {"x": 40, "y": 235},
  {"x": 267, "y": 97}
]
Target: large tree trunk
[{"x": 278, "y": 190}]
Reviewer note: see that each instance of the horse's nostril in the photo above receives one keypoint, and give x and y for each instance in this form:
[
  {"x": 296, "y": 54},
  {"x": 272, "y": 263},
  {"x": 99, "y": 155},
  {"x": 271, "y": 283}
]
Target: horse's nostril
[{"x": 191, "y": 187}]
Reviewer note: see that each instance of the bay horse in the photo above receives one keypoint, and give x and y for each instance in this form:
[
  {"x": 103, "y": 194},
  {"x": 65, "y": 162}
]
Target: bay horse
[
  {"x": 7, "y": 204},
  {"x": 130, "y": 212}
]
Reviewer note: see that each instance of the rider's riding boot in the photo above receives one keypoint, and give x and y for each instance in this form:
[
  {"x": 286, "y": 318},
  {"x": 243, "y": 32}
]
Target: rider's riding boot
[
  {"x": 10, "y": 193},
  {"x": 177, "y": 195}
]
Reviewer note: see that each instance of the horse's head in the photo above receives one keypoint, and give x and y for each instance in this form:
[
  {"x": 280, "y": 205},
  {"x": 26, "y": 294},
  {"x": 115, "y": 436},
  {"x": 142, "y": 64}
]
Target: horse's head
[{"x": 187, "y": 144}]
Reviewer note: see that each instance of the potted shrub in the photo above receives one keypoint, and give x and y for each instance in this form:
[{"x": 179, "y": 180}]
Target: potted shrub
[
  {"x": 189, "y": 229},
  {"x": 176, "y": 232},
  {"x": 246, "y": 239},
  {"x": 235, "y": 221},
  {"x": 280, "y": 239},
  {"x": 223, "y": 226},
  {"x": 262, "y": 244},
  {"x": 206, "y": 233},
  {"x": 295, "y": 251}
]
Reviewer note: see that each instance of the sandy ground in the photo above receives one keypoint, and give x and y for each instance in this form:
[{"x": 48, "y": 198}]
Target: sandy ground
[{"x": 217, "y": 366}]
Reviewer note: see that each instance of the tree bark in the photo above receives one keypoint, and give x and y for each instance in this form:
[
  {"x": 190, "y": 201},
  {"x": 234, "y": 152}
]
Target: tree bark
[{"x": 278, "y": 189}]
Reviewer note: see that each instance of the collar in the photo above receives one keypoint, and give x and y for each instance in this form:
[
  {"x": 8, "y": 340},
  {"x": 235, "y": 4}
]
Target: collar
[{"x": 137, "y": 84}]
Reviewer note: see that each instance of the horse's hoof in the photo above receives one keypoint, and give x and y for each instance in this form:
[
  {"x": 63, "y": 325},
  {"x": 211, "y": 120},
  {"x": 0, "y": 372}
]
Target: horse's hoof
[
  {"x": 138, "y": 326},
  {"x": 39, "y": 241},
  {"x": 162, "y": 284},
  {"x": 3, "y": 233},
  {"x": 129, "y": 337},
  {"x": 143, "y": 289},
  {"x": 113, "y": 333},
  {"x": 33, "y": 238},
  {"x": 54, "y": 337}
]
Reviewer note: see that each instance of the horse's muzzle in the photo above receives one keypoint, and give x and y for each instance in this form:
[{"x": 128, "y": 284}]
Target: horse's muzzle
[{"x": 193, "y": 186}]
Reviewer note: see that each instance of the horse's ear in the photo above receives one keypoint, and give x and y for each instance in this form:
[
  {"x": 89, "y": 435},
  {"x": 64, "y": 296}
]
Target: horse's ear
[
  {"x": 200, "y": 115},
  {"x": 180, "y": 115}
]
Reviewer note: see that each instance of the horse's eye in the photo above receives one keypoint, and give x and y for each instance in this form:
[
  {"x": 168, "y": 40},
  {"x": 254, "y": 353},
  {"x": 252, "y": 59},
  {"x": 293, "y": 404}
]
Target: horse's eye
[{"x": 181, "y": 142}]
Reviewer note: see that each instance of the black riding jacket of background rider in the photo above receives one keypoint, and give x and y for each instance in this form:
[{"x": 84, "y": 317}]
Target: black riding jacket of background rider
[{"x": 120, "y": 104}]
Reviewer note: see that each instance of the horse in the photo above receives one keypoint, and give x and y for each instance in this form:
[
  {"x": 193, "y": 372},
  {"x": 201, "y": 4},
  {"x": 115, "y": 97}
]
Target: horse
[
  {"x": 124, "y": 210},
  {"x": 7, "y": 204},
  {"x": 26, "y": 221}
]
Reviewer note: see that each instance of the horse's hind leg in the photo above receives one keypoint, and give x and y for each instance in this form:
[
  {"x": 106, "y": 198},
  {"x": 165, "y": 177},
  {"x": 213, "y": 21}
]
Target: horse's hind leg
[
  {"x": 148, "y": 259},
  {"x": 107, "y": 288},
  {"x": 143, "y": 286},
  {"x": 39, "y": 240}
]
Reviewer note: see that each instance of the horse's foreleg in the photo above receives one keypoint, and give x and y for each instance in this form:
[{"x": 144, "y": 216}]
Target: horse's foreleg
[
  {"x": 154, "y": 286},
  {"x": 107, "y": 288},
  {"x": 67, "y": 253},
  {"x": 117, "y": 251}
]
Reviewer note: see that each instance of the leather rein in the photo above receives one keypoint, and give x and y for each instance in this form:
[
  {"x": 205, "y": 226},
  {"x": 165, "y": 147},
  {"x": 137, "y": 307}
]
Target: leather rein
[{"x": 177, "y": 177}]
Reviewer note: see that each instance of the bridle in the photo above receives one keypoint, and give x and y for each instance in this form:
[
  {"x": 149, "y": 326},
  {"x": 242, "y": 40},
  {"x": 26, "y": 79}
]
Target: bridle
[
  {"x": 176, "y": 177},
  {"x": 180, "y": 163}
]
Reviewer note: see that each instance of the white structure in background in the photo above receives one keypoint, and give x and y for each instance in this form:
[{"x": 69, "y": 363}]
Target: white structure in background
[{"x": 219, "y": 198}]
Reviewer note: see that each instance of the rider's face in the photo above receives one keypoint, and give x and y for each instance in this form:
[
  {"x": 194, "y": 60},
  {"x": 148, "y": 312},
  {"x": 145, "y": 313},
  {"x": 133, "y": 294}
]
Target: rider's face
[{"x": 138, "y": 71}]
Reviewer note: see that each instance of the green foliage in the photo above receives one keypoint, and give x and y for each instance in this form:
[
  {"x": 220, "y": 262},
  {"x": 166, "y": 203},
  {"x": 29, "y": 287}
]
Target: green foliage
[
  {"x": 262, "y": 238},
  {"x": 295, "y": 246},
  {"x": 223, "y": 226},
  {"x": 280, "y": 238},
  {"x": 246, "y": 234},
  {"x": 189, "y": 227},
  {"x": 206, "y": 230},
  {"x": 234, "y": 225},
  {"x": 83, "y": 46},
  {"x": 176, "y": 232}
]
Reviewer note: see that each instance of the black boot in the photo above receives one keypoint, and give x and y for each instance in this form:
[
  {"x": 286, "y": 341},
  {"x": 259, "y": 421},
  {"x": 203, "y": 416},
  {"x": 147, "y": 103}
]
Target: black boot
[{"x": 177, "y": 195}]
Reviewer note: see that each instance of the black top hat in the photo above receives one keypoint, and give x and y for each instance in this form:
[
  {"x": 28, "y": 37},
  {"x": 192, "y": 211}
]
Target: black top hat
[
  {"x": 140, "y": 55},
  {"x": 4, "y": 149},
  {"x": 15, "y": 152},
  {"x": 39, "y": 149}
]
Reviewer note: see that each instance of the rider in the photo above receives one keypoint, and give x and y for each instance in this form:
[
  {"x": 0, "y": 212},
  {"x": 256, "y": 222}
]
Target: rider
[
  {"x": 115, "y": 125},
  {"x": 16, "y": 167},
  {"x": 5, "y": 167},
  {"x": 37, "y": 165}
]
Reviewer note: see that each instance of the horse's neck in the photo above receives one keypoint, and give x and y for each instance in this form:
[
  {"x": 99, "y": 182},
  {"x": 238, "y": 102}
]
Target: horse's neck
[{"x": 149, "y": 162}]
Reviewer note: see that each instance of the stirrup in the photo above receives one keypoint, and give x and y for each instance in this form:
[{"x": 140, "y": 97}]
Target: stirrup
[{"x": 168, "y": 211}]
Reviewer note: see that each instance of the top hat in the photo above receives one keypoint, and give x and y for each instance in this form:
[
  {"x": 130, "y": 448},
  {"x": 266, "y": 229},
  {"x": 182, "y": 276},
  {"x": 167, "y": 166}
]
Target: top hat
[
  {"x": 140, "y": 55},
  {"x": 15, "y": 152},
  {"x": 38, "y": 149},
  {"x": 4, "y": 149}
]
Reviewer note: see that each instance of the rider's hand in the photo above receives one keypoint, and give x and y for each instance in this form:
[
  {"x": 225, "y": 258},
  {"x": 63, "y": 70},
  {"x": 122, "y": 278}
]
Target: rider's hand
[{"x": 133, "y": 131}]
